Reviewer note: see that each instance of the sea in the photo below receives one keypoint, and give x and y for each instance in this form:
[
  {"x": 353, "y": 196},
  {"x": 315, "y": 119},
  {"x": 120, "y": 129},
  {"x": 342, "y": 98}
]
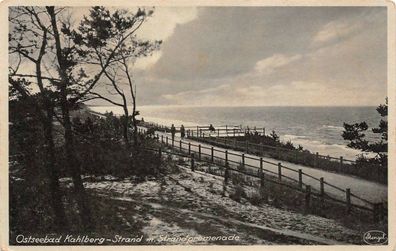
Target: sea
[{"x": 317, "y": 129}]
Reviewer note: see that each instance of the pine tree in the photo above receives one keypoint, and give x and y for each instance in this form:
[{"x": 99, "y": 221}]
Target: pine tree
[{"x": 356, "y": 135}]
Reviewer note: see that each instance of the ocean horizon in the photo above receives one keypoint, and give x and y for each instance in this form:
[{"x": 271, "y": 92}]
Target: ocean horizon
[{"x": 316, "y": 128}]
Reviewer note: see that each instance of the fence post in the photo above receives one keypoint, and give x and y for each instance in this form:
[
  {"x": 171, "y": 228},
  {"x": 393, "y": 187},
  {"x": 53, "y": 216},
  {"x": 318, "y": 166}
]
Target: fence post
[
  {"x": 316, "y": 159},
  {"x": 243, "y": 160},
  {"x": 212, "y": 154},
  {"x": 226, "y": 156},
  {"x": 300, "y": 175},
  {"x": 160, "y": 154},
  {"x": 375, "y": 212},
  {"x": 189, "y": 148},
  {"x": 192, "y": 163},
  {"x": 234, "y": 132},
  {"x": 279, "y": 171},
  {"x": 218, "y": 132},
  {"x": 307, "y": 198},
  {"x": 227, "y": 130},
  {"x": 173, "y": 141},
  {"x": 378, "y": 212},
  {"x": 322, "y": 189},
  {"x": 203, "y": 135},
  {"x": 226, "y": 174},
  {"x": 262, "y": 180},
  {"x": 348, "y": 199},
  {"x": 180, "y": 145},
  {"x": 199, "y": 152},
  {"x": 381, "y": 211},
  {"x": 341, "y": 162},
  {"x": 166, "y": 140},
  {"x": 247, "y": 146},
  {"x": 261, "y": 173},
  {"x": 197, "y": 132}
]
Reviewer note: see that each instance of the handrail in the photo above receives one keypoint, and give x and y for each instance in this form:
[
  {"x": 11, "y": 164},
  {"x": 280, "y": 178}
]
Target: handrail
[{"x": 288, "y": 150}]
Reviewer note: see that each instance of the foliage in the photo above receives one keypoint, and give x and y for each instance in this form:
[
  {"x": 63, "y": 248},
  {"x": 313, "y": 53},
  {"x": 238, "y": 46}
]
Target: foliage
[
  {"x": 100, "y": 148},
  {"x": 238, "y": 193},
  {"x": 356, "y": 135}
]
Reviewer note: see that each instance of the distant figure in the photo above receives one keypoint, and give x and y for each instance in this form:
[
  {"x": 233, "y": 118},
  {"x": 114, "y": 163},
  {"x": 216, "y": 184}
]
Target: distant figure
[
  {"x": 182, "y": 131},
  {"x": 173, "y": 132},
  {"x": 211, "y": 128}
]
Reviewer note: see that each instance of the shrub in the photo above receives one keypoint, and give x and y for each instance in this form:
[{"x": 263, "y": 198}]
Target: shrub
[
  {"x": 238, "y": 194},
  {"x": 256, "y": 199}
]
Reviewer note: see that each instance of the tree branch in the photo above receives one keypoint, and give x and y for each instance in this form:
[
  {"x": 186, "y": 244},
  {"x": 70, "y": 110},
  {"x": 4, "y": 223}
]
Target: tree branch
[{"x": 98, "y": 96}]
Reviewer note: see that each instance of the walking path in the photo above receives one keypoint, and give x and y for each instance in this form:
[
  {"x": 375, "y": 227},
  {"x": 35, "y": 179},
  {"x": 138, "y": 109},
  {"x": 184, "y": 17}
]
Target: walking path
[
  {"x": 368, "y": 190},
  {"x": 192, "y": 203}
]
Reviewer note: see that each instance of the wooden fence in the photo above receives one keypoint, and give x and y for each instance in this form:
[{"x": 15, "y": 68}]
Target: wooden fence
[
  {"x": 194, "y": 152},
  {"x": 221, "y": 132},
  {"x": 226, "y": 136},
  {"x": 200, "y": 131},
  {"x": 316, "y": 160}
]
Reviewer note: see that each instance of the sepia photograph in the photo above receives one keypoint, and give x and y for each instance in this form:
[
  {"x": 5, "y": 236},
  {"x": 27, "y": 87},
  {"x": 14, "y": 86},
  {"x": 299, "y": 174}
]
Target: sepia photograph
[{"x": 159, "y": 125}]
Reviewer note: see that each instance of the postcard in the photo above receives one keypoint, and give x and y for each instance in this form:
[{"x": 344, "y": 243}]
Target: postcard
[{"x": 197, "y": 125}]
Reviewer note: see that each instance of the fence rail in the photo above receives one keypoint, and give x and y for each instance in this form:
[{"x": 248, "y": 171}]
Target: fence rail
[
  {"x": 220, "y": 133},
  {"x": 376, "y": 209},
  {"x": 328, "y": 163},
  {"x": 194, "y": 151}
]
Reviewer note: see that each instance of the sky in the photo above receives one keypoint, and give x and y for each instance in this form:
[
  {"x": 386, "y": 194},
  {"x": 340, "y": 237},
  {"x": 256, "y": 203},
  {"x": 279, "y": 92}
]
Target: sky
[{"x": 263, "y": 56}]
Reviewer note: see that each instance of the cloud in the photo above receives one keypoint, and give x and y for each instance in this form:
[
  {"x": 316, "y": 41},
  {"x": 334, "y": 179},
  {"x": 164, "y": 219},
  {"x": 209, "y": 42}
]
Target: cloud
[
  {"x": 335, "y": 30},
  {"x": 295, "y": 93},
  {"x": 162, "y": 24},
  {"x": 338, "y": 30},
  {"x": 257, "y": 56},
  {"x": 198, "y": 97},
  {"x": 146, "y": 62},
  {"x": 268, "y": 65}
]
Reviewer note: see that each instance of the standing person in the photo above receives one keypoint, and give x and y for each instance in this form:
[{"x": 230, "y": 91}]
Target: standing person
[
  {"x": 182, "y": 132},
  {"x": 173, "y": 132}
]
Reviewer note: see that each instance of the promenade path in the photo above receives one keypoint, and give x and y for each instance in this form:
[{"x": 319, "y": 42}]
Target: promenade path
[{"x": 371, "y": 191}]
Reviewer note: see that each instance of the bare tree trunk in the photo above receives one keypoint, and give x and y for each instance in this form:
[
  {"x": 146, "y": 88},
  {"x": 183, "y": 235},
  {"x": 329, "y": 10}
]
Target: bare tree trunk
[
  {"x": 124, "y": 105},
  {"x": 53, "y": 173},
  {"x": 134, "y": 122},
  {"x": 73, "y": 163},
  {"x": 126, "y": 123},
  {"x": 133, "y": 96},
  {"x": 74, "y": 166}
]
